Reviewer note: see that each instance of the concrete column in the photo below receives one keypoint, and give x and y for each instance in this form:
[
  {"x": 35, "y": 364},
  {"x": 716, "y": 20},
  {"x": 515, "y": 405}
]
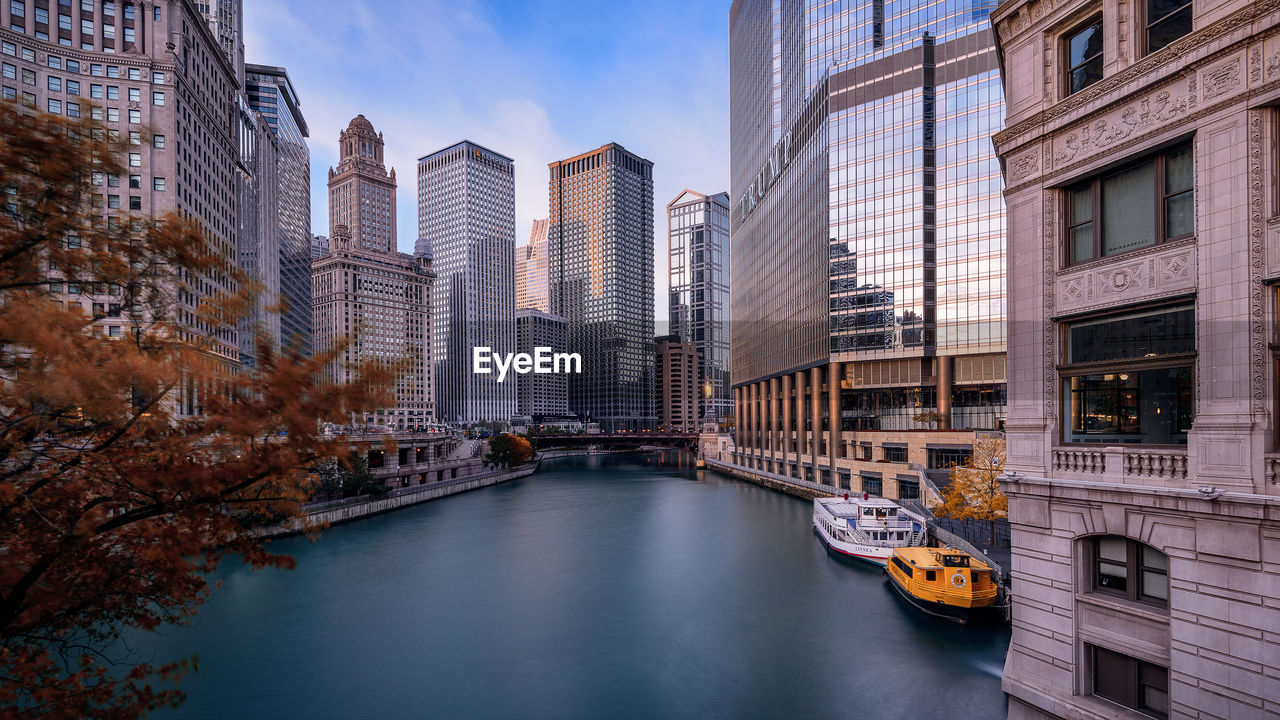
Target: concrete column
[
  {"x": 815, "y": 407},
  {"x": 786, "y": 417},
  {"x": 737, "y": 415},
  {"x": 834, "y": 376},
  {"x": 774, "y": 435},
  {"x": 801, "y": 435},
  {"x": 752, "y": 422},
  {"x": 944, "y": 392}
]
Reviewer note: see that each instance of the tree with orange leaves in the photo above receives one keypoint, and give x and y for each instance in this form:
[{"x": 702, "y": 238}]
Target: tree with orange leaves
[
  {"x": 115, "y": 500},
  {"x": 974, "y": 493}
]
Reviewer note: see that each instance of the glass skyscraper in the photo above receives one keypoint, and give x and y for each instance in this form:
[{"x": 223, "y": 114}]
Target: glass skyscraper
[
  {"x": 600, "y": 270},
  {"x": 868, "y": 234},
  {"x": 698, "y": 261},
  {"x": 467, "y": 213},
  {"x": 271, "y": 93}
]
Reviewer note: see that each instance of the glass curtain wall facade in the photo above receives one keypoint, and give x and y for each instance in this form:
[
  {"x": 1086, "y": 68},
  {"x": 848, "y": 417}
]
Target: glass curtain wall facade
[
  {"x": 867, "y": 227},
  {"x": 698, "y": 247},
  {"x": 600, "y": 265},
  {"x": 272, "y": 94},
  {"x": 466, "y": 210}
]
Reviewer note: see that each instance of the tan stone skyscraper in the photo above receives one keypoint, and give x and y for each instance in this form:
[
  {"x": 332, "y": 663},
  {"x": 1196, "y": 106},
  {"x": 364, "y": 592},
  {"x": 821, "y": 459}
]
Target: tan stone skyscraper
[
  {"x": 531, "y": 270},
  {"x": 366, "y": 291},
  {"x": 362, "y": 193}
]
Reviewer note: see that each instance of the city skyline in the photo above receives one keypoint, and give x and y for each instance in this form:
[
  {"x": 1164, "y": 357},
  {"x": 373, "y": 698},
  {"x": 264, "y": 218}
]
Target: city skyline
[{"x": 485, "y": 76}]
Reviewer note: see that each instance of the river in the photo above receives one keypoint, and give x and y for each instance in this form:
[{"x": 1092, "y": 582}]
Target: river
[{"x": 606, "y": 586}]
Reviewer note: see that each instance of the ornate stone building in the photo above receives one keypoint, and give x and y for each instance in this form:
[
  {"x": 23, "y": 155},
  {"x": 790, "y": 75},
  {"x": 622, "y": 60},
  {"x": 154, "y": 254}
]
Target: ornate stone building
[
  {"x": 367, "y": 292},
  {"x": 1140, "y": 156},
  {"x": 362, "y": 193}
]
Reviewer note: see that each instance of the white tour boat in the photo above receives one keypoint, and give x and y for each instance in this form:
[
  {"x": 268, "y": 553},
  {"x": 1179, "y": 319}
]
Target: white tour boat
[{"x": 868, "y": 528}]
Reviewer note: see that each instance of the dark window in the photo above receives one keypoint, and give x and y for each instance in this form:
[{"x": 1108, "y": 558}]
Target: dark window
[
  {"x": 872, "y": 485},
  {"x": 930, "y": 575},
  {"x": 1133, "y": 337},
  {"x": 895, "y": 453},
  {"x": 1129, "y": 569},
  {"x": 905, "y": 568},
  {"x": 1083, "y": 48},
  {"x": 943, "y": 458},
  {"x": 1130, "y": 682},
  {"x": 1167, "y": 20},
  {"x": 1127, "y": 400},
  {"x": 1108, "y": 214},
  {"x": 908, "y": 489}
]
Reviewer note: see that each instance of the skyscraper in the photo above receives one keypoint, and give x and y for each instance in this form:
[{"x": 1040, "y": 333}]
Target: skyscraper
[
  {"x": 257, "y": 229},
  {"x": 698, "y": 278},
  {"x": 531, "y": 270},
  {"x": 272, "y": 94},
  {"x": 155, "y": 62},
  {"x": 362, "y": 193},
  {"x": 467, "y": 211},
  {"x": 600, "y": 269},
  {"x": 540, "y": 395},
  {"x": 868, "y": 236},
  {"x": 368, "y": 293},
  {"x": 679, "y": 372}
]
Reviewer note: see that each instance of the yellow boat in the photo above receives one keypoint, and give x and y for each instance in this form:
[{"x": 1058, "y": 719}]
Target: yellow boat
[{"x": 940, "y": 581}]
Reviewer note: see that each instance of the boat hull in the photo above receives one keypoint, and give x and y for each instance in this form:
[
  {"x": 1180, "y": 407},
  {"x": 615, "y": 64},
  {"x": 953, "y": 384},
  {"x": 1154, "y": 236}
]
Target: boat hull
[
  {"x": 954, "y": 613},
  {"x": 878, "y": 556}
]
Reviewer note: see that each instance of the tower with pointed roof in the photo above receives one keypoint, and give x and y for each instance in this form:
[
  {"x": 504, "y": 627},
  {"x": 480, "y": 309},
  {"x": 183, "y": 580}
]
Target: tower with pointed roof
[{"x": 362, "y": 192}]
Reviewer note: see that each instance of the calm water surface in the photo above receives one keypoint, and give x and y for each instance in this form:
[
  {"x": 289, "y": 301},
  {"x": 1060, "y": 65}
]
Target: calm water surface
[{"x": 620, "y": 587}]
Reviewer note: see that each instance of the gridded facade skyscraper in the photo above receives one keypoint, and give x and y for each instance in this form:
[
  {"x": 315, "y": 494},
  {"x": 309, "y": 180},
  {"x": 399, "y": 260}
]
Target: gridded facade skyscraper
[
  {"x": 362, "y": 194},
  {"x": 467, "y": 211},
  {"x": 271, "y": 93},
  {"x": 868, "y": 231},
  {"x": 600, "y": 260},
  {"x": 698, "y": 247},
  {"x": 541, "y": 394},
  {"x": 531, "y": 270}
]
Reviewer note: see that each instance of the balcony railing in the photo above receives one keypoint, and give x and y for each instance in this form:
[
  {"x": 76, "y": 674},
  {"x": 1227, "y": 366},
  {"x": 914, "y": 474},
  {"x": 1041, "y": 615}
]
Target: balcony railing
[{"x": 1126, "y": 462}]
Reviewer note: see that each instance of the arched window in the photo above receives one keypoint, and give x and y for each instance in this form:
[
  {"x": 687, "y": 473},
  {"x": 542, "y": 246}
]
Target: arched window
[{"x": 1128, "y": 569}]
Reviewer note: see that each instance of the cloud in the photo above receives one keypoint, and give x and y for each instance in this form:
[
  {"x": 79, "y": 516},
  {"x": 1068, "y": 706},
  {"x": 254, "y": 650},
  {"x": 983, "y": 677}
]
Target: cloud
[{"x": 537, "y": 82}]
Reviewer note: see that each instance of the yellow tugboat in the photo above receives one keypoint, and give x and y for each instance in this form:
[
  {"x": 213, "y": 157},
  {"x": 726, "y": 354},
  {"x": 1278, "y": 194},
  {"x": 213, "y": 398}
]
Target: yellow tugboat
[{"x": 940, "y": 581}]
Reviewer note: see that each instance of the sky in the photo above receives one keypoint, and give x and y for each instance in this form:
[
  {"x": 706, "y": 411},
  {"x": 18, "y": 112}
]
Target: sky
[{"x": 535, "y": 81}]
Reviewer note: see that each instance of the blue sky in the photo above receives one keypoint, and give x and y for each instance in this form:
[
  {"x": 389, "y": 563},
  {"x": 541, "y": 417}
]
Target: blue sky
[{"x": 536, "y": 81}]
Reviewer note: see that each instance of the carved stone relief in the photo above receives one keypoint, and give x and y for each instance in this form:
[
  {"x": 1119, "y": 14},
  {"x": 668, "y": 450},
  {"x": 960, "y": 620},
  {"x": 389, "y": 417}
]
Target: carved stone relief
[
  {"x": 1144, "y": 114},
  {"x": 1159, "y": 273}
]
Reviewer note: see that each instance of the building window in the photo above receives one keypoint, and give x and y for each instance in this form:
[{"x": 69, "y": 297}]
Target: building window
[
  {"x": 157, "y": 98},
  {"x": 895, "y": 453},
  {"x": 135, "y": 116},
  {"x": 908, "y": 488},
  {"x": 872, "y": 484},
  {"x": 55, "y": 106},
  {"x": 1134, "y": 382},
  {"x": 135, "y": 159},
  {"x": 1130, "y": 682},
  {"x": 1167, "y": 20},
  {"x": 1139, "y": 206},
  {"x": 113, "y": 114},
  {"x": 1083, "y": 50},
  {"x": 158, "y": 141},
  {"x": 73, "y": 110},
  {"x": 135, "y": 95},
  {"x": 158, "y": 184},
  {"x": 55, "y": 83},
  {"x": 73, "y": 87},
  {"x": 135, "y": 202},
  {"x": 944, "y": 458},
  {"x": 1128, "y": 569}
]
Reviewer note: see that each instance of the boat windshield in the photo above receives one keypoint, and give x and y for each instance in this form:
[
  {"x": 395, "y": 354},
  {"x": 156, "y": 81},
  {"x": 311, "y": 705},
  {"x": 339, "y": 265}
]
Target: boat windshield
[{"x": 955, "y": 561}]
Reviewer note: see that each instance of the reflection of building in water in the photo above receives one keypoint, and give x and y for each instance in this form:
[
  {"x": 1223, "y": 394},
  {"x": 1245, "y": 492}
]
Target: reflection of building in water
[{"x": 867, "y": 232}]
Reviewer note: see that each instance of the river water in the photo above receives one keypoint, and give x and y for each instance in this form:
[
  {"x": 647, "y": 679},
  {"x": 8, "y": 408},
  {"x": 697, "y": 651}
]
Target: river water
[{"x": 601, "y": 587}]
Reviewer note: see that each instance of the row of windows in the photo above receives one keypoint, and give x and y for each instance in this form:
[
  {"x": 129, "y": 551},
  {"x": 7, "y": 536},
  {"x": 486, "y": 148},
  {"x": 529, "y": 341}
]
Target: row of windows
[{"x": 1162, "y": 22}]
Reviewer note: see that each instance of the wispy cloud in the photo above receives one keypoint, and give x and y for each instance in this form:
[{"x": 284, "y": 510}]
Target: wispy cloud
[{"x": 535, "y": 81}]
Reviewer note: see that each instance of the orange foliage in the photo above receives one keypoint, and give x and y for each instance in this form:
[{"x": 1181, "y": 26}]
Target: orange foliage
[{"x": 113, "y": 505}]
